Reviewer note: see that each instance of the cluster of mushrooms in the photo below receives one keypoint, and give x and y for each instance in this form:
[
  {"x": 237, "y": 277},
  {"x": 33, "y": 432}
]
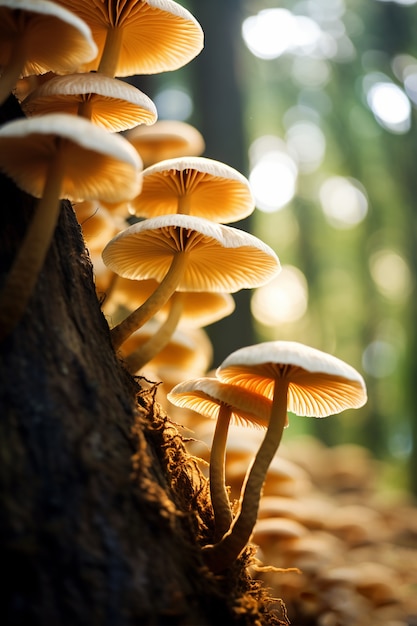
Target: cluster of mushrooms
[
  {"x": 173, "y": 260},
  {"x": 331, "y": 538}
]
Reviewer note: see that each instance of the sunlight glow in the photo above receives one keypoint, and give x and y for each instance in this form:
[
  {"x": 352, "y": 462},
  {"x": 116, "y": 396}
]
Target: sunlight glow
[
  {"x": 307, "y": 143},
  {"x": 313, "y": 73},
  {"x": 410, "y": 85},
  {"x": 390, "y": 106},
  {"x": 273, "y": 173},
  {"x": 407, "y": 3},
  {"x": 282, "y": 300},
  {"x": 379, "y": 359},
  {"x": 272, "y": 32},
  {"x": 273, "y": 181},
  {"x": 391, "y": 274},
  {"x": 174, "y": 103},
  {"x": 343, "y": 201}
]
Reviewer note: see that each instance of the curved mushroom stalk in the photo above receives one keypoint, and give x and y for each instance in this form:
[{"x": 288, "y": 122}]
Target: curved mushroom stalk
[
  {"x": 296, "y": 378},
  {"x": 111, "y": 52},
  {"x": 217, "y": 477},
  {"x": 12, "y": 71},
  {"x": 222, "y": 554},
  {"x": 185, "y": 253},
  {"x": 21, "y": 279},
  {"x": 215, "y": 399},
  {"x": 153, "y": 304},
  {"x": 72, "y": 158},
  {"x": 140, "y": 357}
]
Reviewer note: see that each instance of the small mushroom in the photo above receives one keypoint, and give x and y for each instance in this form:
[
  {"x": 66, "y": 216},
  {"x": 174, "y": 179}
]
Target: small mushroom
[
  {"x": 223, "y": 402},
  {"x": 199, "y": 308},
  {"x": 97, "y": 224},
  {"x": 297, "y": 378},
  {"x": 194, "y": 186},
  {"x": 146, "y": 37},
  {"x": 188, "y": 351},
  {"x": 166, "y": 139},
  {"x": 38, "y": 36},
  {"x": 185, "y": 253},
  {"x": 193, "y": 309},
  {"x": 53, "y": 157},
  {"x": 108, "y": 102}
]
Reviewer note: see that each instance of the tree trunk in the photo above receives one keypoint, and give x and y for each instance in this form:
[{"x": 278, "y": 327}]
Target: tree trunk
[{"x": 102, "y": 510}]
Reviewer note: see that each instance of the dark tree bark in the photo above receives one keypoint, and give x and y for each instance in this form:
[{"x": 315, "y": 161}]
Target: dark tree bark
[{"x": 102, "y": 511}]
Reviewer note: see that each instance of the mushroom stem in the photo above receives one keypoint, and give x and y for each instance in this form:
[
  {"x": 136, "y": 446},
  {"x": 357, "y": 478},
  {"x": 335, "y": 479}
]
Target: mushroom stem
[
  {"x": 13, "y": 70},
  {"x": 30, "y": 257},
  {"x": 111, "y": 51},
  {"x": 85, "y": 108},
  {"x": 219, "y": 496},
  {"x": 159, "y": 340},
  {"x": 156, "y": 301},
  {"x": 222, "y": 554}
]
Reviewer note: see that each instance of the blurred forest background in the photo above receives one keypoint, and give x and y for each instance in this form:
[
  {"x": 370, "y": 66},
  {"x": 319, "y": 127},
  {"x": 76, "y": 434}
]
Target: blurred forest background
[{"x": 315, "y": 101}]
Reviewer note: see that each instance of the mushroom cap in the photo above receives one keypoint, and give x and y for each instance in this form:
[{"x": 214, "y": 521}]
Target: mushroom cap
[
  {"x": 319, "y": 383},
  {"x": 212, "y": 190},
  {"x": 206, "y": 395},
  {"x": 97, "y": 224},
  {"x": 115, "y": 105},
  {"x": 273, "y": 529},
  {"x": 98, "y": 164},
  {"x": 199, "y": 309},
  {"x": 54, "y": 38},
  {"x": 220, "y": 258},
  {"x": 158, "y": 35},
  {"x": 166, "y": 139},
  {"x": 27, "y": 84}
]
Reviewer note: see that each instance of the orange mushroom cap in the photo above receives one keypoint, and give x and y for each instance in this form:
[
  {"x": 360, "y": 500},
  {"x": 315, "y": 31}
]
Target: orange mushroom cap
[
  {"x": 148, "y": 36},
  {"x": 194, "y": 186},
  {"x": 319, "y": 384},
  {"x": 166, "y": 139},
  {"x": 221, "y": 258},
  {"x": 108, "y": 102},
  {"x": 96, "y": 164}
]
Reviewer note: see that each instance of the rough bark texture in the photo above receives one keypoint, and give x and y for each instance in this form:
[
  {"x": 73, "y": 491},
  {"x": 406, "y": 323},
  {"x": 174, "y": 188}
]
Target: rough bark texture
[{"x": 102, "y": 511}]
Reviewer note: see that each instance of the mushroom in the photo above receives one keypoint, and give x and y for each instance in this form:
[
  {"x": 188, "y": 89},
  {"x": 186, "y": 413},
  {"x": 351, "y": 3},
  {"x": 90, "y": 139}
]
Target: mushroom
[
  {"x": 275, "y": 535},
  {"x": 166, "y": 139},
  {"x": 193, "y": 309},
  {"x": 146, "y": 37},
  {"x": 284, "y": 477},
  {"x": 185, "y": 253},
  {"x": 38, "y": 36},
  {"x": 188, "y": 350},
  {"x": 162, "y": 335},
  {"x": 224, "y": 402},
  {"x": 52, "y": 157},
  {"x": 199, "y": 308},
  {"x": 27, "y": 84},
  {"x": 108, "y": 102},
  {"x": 97, "y": 224},
  {"x": 194, "y": 186},
  {"x": 299, "y": 379}
]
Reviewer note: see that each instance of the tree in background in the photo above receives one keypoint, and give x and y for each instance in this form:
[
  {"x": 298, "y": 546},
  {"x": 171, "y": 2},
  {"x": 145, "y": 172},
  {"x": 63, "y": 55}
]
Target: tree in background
[{"x": 333, "y": 90}]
